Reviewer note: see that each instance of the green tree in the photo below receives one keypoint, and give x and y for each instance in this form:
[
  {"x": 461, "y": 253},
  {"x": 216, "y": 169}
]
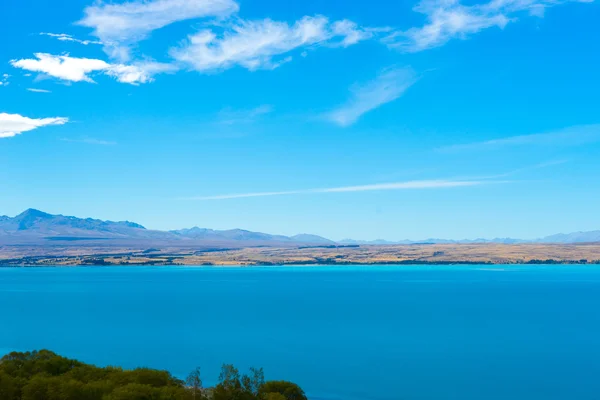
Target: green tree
[
  {"x": 273, "y": 396},
  {"x": 289, "y": 390},
  {"x": 9, "y": 389},
  {"x": 194, "y": 382},
  {"x": 36, "y": 389},
  {"x": 254, "y": 381},
  {"x": 45, "y": 375},
  {"x": 230, "y": 386}
]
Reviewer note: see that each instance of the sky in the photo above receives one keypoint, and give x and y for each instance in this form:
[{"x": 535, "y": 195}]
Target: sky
[{"x": 343, "y": 118}]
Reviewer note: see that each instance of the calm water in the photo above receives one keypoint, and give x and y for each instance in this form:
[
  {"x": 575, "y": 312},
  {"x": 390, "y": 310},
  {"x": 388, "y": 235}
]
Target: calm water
[{"x": 385, "y": 333}]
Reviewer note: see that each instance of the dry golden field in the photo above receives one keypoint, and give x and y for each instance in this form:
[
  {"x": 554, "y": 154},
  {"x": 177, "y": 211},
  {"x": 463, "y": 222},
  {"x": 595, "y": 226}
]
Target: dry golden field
[{"x": 396, "y": 254}]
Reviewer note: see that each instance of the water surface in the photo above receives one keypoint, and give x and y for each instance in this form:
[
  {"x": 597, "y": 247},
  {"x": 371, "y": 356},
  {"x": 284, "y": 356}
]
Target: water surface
[{"x": 343, "y": 333}]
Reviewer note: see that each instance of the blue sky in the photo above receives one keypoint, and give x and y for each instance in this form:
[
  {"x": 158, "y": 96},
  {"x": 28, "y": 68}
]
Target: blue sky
[{"x": 346, "y": 118}]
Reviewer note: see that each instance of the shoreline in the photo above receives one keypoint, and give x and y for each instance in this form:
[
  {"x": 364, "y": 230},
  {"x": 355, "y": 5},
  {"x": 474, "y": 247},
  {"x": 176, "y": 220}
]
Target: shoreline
[
  {"x": 309, "y": 265},
  {"x": 440, "y": 254}
]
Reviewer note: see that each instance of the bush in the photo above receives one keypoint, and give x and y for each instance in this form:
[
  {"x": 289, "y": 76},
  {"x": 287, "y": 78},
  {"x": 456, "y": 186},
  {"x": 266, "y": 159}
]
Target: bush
[{"x": 43, "y": 375}]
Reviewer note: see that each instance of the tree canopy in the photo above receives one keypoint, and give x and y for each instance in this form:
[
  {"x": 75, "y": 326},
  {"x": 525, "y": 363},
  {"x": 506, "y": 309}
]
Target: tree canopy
[{"x": 44, "y": 375}]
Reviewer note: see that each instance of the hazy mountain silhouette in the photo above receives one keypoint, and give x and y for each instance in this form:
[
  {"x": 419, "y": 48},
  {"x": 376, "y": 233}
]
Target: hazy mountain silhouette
[
  {"x": 34, "y": 226},
  {"x": 576, "y": 237},
  {"x": 37, "y": 223}
]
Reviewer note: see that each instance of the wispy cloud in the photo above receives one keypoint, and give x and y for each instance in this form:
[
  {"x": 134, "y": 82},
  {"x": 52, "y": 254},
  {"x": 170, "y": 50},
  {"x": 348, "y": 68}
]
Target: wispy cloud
[
  {"x": 455, "y": 182},
  {"x": 92, "y": 141},
  {"x": 34, "y": 90},
  {"x": 15, "y": 124},
  {"x": 74, "y": 69},
  {"x": 140, "y": 72},
  {"x": 409, "y": 185},
  {"x": 224, "y": 39},
  {"x": 119, "y": 26},
  {"x": 263, "y": 44},
  {"x": 63, "y": 37},
  {"x": 449, "y": 19},
  {"x": 387, "y": 87},
  {"x": 4, "y": 80},
  {"x": 572, "y": 136},
  {"x": 229, "y": 116}
]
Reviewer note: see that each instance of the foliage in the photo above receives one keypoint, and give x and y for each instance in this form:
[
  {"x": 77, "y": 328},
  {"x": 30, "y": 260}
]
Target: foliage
[
  {"x": 44, "y": 375},
  {"x": 194, "y": 382},
  {"x": 289, "y": 390}
]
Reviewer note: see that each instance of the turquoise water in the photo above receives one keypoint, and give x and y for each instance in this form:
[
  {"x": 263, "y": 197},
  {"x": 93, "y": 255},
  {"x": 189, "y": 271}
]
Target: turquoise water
[{"x": 380, "y": 333}]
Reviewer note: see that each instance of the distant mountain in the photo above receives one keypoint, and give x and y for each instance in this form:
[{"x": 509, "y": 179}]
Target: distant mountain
[
  {"x": 37, "y": 223},
  {"x": 232, "y": 234},
  {"x": 34, "y": 226},
  {"x": 37, "y": 227},
  {"x": 381, "y": 242},
  {"x": 312, "y": 239},
  {"x": 243, "y": 235},
  {"x": 377, "y": 242},
  {"x": 577, "y": 237}
]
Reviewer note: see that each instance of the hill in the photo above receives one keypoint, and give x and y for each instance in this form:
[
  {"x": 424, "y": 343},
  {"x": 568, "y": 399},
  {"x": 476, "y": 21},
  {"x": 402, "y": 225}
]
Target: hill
[
  {"x": 35, "y": 227},
  {"x": 38, "y": 227}
]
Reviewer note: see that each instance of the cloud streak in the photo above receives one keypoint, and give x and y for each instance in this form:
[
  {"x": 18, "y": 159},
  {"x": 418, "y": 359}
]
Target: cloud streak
[
  {"x": 409, "y": 185},
  {"x": 63, "y": 37},
  {"x": 73, "y": 69},
  {"x": 572, "y": 136},
  {"x": 387, "y": 87},
  {"x": 449, "y": 19},
  {"x": 263, "y": 44},
  {"x": 119, "y": 26},
  {"x": 14, "y": 124},
  {"x": 34, "y": 90}
]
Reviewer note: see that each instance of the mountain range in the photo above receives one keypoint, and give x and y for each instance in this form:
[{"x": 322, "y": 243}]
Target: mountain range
[
  {"x": 37, "y": 227},
  {"x": 34, "y": 226}
]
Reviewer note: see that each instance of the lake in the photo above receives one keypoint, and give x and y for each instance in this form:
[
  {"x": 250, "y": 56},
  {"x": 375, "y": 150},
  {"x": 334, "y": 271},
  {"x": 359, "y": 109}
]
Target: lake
[{"x": 342, "y": 333}]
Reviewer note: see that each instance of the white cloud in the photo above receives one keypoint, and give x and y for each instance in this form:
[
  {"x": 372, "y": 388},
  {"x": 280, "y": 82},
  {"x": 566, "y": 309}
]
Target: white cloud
[
  {"x": 15, "y": 124},
  {"x": 387, "y": 87},
  {"x": 62, "y": 67},
  {"x": 142, "y": 72},
  {"x": 63, "y": 37},
  {"x": 4, "y": 79},
  {"x": 38, "y": 90},
  {"x": 120, "y": 25},
  {"x": 74, "y": 69},
  {"x": 572, "y": 136},
  {"x": 231, "y": 117},
  {"x": 263, "y": 44},
  {"x": 449, "y": 19},
  {"x": 352, "y": 33},
  {"x": 409, "y": 185}
]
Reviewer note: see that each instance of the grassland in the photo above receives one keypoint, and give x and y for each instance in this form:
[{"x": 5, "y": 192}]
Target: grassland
[{"x": 396, "y": 254}]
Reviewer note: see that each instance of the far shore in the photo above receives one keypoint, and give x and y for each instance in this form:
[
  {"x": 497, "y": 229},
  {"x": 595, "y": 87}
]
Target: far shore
[{"x": 434, "y": 254}]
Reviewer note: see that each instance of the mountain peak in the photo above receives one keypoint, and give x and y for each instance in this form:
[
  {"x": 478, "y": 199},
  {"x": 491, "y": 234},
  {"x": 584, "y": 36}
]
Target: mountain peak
[
  {"x": 309, "y": 238},
  {"x": 30, "y": 217},
  {"x": 32, "y": 213}
]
